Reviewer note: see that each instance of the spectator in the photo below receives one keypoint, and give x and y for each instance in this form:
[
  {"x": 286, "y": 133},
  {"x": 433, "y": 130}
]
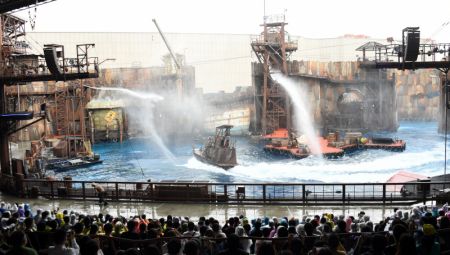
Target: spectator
[
  {"x": 191, "y": 232},
  {"x": 233, "y": 246},
  {"x": 398, "y": 231},
  {"x": 335, "y": 246},
  {"x": 191, "y": 248},
  {"x": 18, "y": 242},
  {"x": 173, "y": 247},
  {"x": 406, "y": 245},
  {"x": 266, "y": 249},
  {"x": 60, "y": 238},
  {"x": 245, "y": 242},
  {"x": 428, "y": 244}
]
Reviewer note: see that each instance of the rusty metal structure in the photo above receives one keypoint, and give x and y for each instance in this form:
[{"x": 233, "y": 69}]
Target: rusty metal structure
[
  {"x": 411, "y": 54},
  {"x": 19, "y": 67},
  {"x": 273, "y": 48}
]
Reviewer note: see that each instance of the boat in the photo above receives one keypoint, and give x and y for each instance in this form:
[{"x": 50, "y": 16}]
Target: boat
[
  {"x": 219, "y": 150},
  {"x": 285, "y": 143},
  {"x": 60, "y": 165},
  {"x": 385, "y": 143}
]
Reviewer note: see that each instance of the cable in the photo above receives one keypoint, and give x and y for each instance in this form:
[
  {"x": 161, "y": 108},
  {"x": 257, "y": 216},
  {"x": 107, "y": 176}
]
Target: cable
[
  {"x": 330, "y": 46},
  {"x": 39, "y": 50},
  {"x": 216, "y": 60},
  {"x": 437, "y": 31}
]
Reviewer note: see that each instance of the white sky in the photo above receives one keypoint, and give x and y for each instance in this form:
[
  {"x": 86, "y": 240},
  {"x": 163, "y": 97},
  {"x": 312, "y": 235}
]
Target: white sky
[{"x": 313, "y": 18}]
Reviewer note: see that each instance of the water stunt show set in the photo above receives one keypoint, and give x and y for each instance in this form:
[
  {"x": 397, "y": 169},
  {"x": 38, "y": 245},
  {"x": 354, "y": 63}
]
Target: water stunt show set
[{"x": 303, "y": 132}]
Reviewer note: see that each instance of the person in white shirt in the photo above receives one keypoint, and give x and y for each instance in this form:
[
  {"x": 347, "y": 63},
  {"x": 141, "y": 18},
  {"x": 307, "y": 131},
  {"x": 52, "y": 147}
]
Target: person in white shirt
[
  {"x": 61, "y": 236},
  {"x": 191, "y": 230},
  {"x": 246, "y": 243}
]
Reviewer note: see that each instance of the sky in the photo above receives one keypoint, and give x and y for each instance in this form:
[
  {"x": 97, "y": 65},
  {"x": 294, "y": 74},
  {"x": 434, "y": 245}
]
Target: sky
[{"x": 311, "y": 19}]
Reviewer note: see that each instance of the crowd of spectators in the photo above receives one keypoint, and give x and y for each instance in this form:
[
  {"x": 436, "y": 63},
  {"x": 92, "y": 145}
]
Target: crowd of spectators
[{"x": 420, "y": 230}]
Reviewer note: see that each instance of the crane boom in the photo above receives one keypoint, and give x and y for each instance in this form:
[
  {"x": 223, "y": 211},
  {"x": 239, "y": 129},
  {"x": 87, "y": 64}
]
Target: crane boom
[{"x": 167, "y": 44}]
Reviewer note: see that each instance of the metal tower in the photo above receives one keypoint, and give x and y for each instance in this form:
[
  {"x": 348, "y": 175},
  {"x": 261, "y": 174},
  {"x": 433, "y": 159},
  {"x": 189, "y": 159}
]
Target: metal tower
[{"x": 273, "y": 48}]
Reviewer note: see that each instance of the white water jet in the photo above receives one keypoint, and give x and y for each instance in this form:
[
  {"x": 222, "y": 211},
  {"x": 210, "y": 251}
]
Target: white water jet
[
  {"x": 302, "y": 120},
  {"x": 143, "y": 113},
  {"x": 141, "y": 95}
]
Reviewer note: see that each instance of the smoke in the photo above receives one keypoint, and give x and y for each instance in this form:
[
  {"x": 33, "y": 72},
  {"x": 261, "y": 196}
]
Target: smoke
[
  {"x": 302, "y": 117},
  {"x": 140, "y": 112},
  {"x": 180, "y": 117}
]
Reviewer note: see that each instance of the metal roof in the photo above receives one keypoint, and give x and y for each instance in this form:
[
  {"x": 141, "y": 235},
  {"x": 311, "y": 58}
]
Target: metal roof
[
  {"x": 370, "y": 46},
  {"x": 224, "y": 126},
  {"x": 16, "y": 5}
]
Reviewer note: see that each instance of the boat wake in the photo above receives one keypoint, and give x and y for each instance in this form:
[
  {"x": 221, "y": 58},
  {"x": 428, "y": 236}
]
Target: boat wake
[
  {"x": 193, "y": 163},
  {"x": 364, "y": 167}
]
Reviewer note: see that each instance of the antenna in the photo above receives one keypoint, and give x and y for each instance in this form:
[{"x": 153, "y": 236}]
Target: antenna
[{"x": 264, "y": 17}]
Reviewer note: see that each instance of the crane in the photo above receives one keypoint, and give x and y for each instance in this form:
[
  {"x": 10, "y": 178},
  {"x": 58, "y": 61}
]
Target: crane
[
  {"x": 178, "y": 82},
  {"x": 167, "y": 45}
]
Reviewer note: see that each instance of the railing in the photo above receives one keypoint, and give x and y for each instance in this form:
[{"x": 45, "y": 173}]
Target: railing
[
  {"x": 245, "y": 193},
  {"x": 38, "y": 66}
]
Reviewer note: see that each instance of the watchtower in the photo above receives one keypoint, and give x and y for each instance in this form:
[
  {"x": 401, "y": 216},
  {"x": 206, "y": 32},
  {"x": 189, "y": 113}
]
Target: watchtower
[{"x": 273, "y": 48}]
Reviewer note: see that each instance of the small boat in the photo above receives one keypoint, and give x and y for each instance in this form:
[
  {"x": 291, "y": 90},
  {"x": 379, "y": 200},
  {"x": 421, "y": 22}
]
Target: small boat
[
  {"x": 385, "y": 143},
  {"x": 218, "y": 150},
  {"x": 73, "y": 163}
]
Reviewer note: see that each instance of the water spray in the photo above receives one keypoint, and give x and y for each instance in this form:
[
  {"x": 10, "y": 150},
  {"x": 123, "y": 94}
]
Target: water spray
[
  {"x": 146, "y": 118},
  {"x": 303, "y": 121}
]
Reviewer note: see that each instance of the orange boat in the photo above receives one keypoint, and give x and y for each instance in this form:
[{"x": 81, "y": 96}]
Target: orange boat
[{"x": 282, "y": 142}]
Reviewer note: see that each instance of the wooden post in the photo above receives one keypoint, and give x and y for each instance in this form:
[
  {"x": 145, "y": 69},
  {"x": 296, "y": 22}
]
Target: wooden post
[
  {"x": 225, "y": 191},
  {"x": 304, "y": 193},
  {"x": 51, "y": 189},
  {"x": 83, "y": 187},
  {"x": 264, "y": 192},
  {"x": 117, "y": 191},
  {"x": 343, "y": 193}
]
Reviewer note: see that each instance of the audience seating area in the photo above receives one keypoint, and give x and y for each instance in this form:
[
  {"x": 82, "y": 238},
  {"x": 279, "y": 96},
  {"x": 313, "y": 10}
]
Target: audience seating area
[{"x": 420, "y": 230}]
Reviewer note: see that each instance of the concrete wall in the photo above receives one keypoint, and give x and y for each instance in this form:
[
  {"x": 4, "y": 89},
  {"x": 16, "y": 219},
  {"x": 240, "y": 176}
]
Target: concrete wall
[{"x": 417, "y": 94}]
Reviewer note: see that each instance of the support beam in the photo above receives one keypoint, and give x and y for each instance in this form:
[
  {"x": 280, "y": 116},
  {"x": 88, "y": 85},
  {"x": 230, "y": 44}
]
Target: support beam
[
  {"x": 4, "y": 143},
  {"x": 406, "y": 65},
  {"x": 10, "y": 80}
]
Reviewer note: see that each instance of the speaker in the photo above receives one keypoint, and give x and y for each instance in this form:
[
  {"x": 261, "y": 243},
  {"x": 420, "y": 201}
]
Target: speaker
[
  {"x": 412, "y": 42},
  {"x": 51, "y": 58}
]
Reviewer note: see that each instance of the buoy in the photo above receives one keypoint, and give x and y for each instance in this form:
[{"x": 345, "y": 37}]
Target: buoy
[{"x": 364, "y": 140}]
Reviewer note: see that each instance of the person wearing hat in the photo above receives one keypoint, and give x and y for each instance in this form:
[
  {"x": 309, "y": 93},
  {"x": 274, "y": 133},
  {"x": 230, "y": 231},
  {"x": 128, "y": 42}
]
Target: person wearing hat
[{"x": 428, "y": 244}]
